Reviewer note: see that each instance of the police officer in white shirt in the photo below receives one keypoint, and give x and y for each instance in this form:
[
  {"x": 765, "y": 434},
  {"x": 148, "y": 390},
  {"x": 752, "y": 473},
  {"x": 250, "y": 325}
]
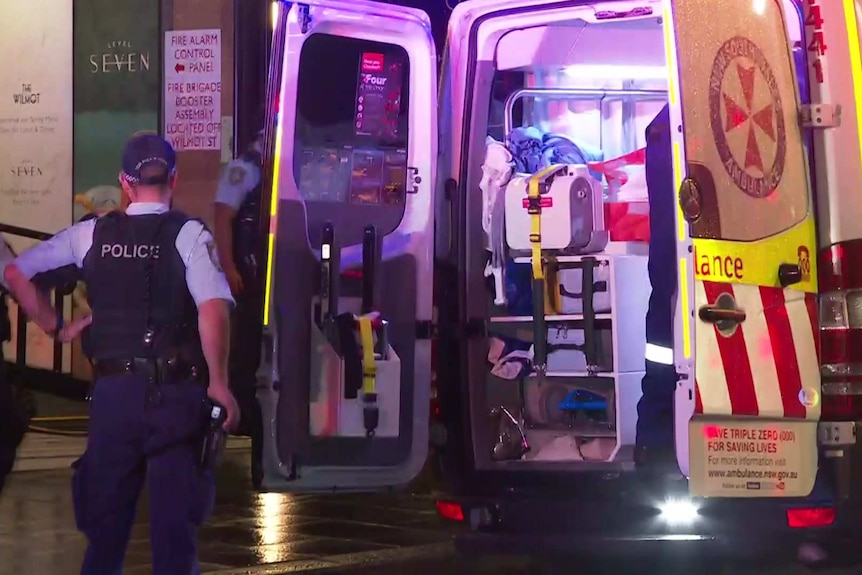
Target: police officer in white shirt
[
  {"x": 11, "y": 429},
  {"x": 159, "y": 334},
  {"x": 238, "y": 238},
  {"x": 17, "y": 405}
]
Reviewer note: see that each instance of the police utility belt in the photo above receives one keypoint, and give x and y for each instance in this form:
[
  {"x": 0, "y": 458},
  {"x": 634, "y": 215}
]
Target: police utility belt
[{"x": 171, "y": 371}]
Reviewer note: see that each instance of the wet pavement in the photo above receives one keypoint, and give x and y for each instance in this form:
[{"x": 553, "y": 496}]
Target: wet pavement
[
  {"x": 272, "y": 534},
  {"x": 498, "y": 566},
  {"x": 38, "y": 535}
]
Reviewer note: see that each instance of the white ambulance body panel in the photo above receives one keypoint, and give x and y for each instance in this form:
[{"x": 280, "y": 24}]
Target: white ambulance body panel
[
  {"x": 835, "y": 79},
  {"x": 479, "y": 32},
  {"x": 374, "y": 166},
  {"x": 483, "y": 35}
]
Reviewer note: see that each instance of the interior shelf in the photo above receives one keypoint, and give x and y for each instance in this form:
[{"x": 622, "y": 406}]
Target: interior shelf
[
  {"x": 574, "y": 374},
  {"x": 613, "y": 338},
  {"x": 548, "y": 318},
  {"x": 580, "y": 429},
  {"x": 612, "y": 249}
]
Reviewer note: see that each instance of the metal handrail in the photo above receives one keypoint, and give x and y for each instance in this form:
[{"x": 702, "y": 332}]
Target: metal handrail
[
  {"x": 574, "y": 94},
  {"x": 25, "y": 232}
]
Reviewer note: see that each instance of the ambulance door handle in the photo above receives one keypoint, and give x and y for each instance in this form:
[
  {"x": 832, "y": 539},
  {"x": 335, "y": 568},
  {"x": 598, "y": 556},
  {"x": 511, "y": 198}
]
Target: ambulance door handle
[
  {"x": 715, "y": 314},
  {"x": 789, "y": 274}
]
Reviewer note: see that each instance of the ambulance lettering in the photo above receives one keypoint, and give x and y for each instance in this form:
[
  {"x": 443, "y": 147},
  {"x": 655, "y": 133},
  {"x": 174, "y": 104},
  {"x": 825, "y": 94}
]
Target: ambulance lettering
[
  {"x": 815, "y": 38},
  {"x": 718, "y": 267}
]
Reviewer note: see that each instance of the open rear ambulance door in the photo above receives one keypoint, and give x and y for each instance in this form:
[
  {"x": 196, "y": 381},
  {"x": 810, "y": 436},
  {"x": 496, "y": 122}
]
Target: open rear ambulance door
[
  {"x": 747, "y": 420},
  {"x": 353, "y": 122}
]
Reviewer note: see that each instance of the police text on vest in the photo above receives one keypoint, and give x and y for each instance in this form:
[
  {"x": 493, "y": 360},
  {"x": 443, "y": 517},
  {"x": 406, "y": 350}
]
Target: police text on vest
[{"x": 120, "y": 251}]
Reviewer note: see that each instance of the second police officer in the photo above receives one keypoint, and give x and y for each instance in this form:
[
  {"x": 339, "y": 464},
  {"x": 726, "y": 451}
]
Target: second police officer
[
  {"x": 237, "y": 233},
  {"x": 159, "y": 334},
  {"x": 14, "y": 418}
]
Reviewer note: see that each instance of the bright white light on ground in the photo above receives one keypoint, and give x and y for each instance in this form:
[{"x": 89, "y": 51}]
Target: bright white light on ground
[{"x": 678, "y": 512}]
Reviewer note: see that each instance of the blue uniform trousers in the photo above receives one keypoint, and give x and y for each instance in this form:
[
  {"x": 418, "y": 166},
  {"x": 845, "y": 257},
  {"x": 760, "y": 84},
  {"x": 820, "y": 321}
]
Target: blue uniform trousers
[
  {"x": 143, "y": 433},
  {"x": 244, "y": 362},
  {"x": 8, "y": 443},
  {"x": 15, "y": 415},
  {"x": 655, "y": 427}
]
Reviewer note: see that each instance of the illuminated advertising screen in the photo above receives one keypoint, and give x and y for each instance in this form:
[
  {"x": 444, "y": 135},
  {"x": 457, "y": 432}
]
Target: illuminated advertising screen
[{"x": 378, "y": 96}]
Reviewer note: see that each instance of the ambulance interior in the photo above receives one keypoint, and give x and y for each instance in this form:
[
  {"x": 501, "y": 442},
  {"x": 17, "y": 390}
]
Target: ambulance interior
[{"x": 582, "y": 94}]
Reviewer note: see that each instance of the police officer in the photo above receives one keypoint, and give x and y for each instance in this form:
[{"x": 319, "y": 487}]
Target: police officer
[
  {"x": 237, "y": 217},
  {"x": 159, "y": 327},
  {"x": 17, "y": 406},
  {"x": 655, "y": 428},
  {"x": 12, "y": 425}
]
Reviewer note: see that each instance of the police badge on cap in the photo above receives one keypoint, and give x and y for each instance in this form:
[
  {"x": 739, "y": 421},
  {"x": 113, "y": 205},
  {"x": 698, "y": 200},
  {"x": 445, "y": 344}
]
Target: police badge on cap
[{"x": 149, "y": 160}]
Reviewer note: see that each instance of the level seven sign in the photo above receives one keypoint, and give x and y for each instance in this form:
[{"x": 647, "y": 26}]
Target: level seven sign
[{"x": 193, "y": 89}]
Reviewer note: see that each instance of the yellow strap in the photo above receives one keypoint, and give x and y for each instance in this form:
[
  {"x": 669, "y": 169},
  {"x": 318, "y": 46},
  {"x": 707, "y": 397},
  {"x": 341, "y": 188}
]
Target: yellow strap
[
  {"x": 536, "y": 228},
  {"x": 533, "y": 193},
  {"x": 369, "y": 366}
]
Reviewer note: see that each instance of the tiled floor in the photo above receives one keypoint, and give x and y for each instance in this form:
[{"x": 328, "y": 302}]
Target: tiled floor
[{"x": 38, "y": 535}]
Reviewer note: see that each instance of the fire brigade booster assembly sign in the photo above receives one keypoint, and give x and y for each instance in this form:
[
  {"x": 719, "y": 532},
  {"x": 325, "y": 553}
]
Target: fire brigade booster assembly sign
[{"x": 193, "y": 89}]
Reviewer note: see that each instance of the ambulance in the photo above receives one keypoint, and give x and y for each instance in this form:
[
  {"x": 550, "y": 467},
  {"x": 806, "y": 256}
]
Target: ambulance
[{"x": 459, "y": 256}]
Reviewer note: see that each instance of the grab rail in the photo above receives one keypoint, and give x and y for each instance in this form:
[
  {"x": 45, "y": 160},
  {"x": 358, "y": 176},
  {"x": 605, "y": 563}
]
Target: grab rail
[
  {"x": 575, "y": 94},
  {"x": 25, "y": 232}
]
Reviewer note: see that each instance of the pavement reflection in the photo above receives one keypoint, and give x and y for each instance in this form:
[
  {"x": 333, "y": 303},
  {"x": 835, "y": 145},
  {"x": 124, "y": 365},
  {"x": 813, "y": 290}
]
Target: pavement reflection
[
  {"x": 38, "y": 535},
  {"x": 272, "y": 534}
]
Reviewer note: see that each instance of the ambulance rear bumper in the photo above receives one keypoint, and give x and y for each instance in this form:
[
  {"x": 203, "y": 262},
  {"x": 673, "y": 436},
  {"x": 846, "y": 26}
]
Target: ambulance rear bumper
[
  {"x": 722, "y": 528},
  {"x": 630, "y": 546},
  {"x": 627, "y": 521},
  {"x": 729, "y": 533}
]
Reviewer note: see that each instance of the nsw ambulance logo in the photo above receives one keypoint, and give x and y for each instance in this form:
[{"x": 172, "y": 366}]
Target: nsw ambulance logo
[
  {"x": 804, "y": 262},
  {"x": 747, "y": 118}
]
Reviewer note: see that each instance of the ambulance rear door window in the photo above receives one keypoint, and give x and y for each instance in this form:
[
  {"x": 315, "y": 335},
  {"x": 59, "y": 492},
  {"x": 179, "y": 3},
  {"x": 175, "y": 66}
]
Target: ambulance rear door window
[
  {"x": 352, "y": 122},
  {"x": 744, "y": 145}
]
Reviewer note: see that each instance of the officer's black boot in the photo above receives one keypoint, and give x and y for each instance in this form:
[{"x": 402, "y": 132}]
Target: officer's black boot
[
  {"x": 253, "y": 427},
  {"x": 256, "y": 434},
  {"x": 251, "y": 423}
]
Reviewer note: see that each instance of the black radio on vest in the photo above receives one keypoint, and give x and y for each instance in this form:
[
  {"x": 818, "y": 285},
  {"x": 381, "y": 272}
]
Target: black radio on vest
[
  {"x": 245, "y": 226},
  {"x": 136, "y": 281}
]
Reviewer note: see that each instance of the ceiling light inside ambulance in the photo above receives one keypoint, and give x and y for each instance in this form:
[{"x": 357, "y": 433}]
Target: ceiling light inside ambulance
[
  {"x": 616, "y": 72},
  {"x": 678, "y": 512},
  {"x": 759, "y": 7}
]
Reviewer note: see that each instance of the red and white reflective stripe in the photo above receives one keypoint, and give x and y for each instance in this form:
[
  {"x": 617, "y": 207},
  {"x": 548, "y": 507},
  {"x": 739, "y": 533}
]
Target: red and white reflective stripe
[{"x": 763, "y": 367}]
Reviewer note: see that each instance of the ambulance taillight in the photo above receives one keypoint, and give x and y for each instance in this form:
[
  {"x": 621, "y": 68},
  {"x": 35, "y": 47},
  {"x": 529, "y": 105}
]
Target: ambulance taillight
[{"x": 840, "y": 278}]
